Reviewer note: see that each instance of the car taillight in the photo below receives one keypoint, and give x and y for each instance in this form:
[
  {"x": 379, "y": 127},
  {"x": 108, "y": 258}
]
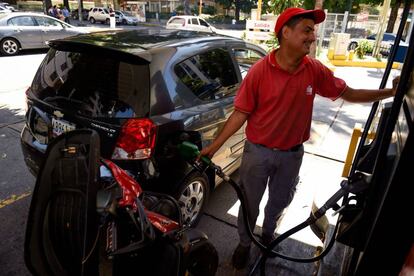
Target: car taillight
[{"x": 136, "y": 140}]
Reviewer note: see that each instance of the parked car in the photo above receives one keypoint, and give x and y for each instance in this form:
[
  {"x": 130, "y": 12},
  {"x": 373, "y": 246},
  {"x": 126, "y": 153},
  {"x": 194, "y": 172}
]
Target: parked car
[
  {"x": 144, "y": 91},
  {"x": 4, "y": 9},
  {"x": 20, "y": 31},
  {"x": 385, "y": 45},
  {"x": 4, "y": 5},
  {"x": 190, "y": 23},
  {"x": 126, "y": 18},
  {"x": 75, "y": 14},
  {"x": 102, "y": 15}
]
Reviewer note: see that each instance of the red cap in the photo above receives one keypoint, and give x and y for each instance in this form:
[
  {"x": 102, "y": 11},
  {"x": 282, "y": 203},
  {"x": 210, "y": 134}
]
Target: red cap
[{"x": 287, "y": 14}]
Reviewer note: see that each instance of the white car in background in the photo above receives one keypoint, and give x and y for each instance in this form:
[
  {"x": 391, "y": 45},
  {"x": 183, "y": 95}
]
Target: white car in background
[
  {"x": 4, "y": 9},
  {"x": 99, "y": 14},
  {"x": 6, "y": 6},
  {"x": 28, "y": 30},
  {"x": 190, "y": 23},
  {"x": 126, "y": 18}
]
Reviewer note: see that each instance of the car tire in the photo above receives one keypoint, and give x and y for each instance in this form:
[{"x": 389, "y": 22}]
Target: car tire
[
  {"x": 203, "y": 261},
  {"x": 9, "y": 46},
  {"x": 352, "y": 46},
  {"x": 107, "y": 21},
  {"x": 92, "y": 20},
  {"x": 124, "y": 22},
  {"x": 192, "y": 197}
]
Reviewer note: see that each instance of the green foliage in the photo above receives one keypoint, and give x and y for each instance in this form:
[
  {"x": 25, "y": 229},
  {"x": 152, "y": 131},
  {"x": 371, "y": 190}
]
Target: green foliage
[
  {"x": 227, "y": 4},
  {"x": 179, "y": 9},
  {"x": 373, "y": 10},
  {"x": 364, "y": 46},
  {"x": 272, "y": 43},
  {"x": 278, "y": 6},
  {"x": 243, "y": 36},
  {"x": 209, "y": 10},
  {"x": 340, "y": 6},
  {"x": 244, "y": 5},
  {"x": 220, "y": 19}
]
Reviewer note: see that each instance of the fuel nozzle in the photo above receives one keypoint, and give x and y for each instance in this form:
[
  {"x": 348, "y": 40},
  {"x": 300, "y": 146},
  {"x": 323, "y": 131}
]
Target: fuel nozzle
[{"x": 190, "y": 152}]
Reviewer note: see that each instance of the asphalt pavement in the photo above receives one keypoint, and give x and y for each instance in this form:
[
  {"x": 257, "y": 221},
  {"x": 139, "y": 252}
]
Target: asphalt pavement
[{"x": 320, "y": 175}]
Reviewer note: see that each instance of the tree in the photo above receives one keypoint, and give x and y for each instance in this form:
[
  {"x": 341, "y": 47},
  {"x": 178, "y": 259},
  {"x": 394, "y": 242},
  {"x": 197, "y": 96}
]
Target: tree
[
  {"x": 46, "y": 5},
  {"x": 187, "y": 9},
  {"x": 278, "y": 6},
  {"x": 395, "y": 5},
  {"x": 239, "y": 5},
  {"x": 319, "y": 6}
]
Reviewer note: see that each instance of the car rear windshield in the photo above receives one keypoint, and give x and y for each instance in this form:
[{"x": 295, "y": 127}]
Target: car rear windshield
[{"x": 93, "y": 85}]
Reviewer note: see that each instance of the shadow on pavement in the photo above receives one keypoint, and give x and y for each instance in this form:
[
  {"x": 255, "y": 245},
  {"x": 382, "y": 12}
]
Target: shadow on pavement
[{"x": 16, "y": 185}]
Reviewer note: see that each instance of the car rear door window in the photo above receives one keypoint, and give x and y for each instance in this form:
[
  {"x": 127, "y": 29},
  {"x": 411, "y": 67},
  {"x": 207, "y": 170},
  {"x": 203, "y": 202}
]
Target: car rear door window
[
  {"x": 21, "y": 21},
  {"x": 95, "y": 85},
  {"x": 194, "y": 21},
  {"x": 44, "y": 21},
  {"x": 209, "y": 75}
]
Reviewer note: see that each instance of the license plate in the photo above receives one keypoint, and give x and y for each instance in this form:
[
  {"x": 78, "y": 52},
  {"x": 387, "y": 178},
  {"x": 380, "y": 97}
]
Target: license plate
[{"x": 61, "y": 126}]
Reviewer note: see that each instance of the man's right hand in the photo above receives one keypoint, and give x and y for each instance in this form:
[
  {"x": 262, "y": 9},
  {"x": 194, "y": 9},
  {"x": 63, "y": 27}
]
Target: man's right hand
[
  {"x": 233, "y": 124},
  {"x": 209, "y": 151}
]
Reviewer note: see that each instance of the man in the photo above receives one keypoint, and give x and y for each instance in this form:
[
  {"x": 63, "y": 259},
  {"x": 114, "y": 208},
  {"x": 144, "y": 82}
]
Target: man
[
  {"x": 66, "y": 14},
  {"x": 276, "y": 100}
]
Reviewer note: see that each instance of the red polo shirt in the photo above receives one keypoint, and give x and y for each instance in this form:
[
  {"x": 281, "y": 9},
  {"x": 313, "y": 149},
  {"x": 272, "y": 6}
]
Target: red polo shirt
[{"x": 280, "y": 104}]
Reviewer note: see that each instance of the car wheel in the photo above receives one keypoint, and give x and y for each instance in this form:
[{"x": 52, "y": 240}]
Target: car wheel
[
  {"x": 107, "y": 21},
  {"x": 92, "y": 20},
  {"x": 124, "y": 22},
  {"x": 203, "y": 261},
  {"x": 9, "y": 46},
  {"x": 192, "y": 197},
  {"x": 352, "y": 46}
]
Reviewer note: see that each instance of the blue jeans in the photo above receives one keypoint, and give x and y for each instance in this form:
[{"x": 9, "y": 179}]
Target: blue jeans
[{"x": 260, "y": 167}]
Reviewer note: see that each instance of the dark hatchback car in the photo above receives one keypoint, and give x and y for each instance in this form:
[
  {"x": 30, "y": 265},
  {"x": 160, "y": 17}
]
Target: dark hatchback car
[{"x": 144, "y": 92}]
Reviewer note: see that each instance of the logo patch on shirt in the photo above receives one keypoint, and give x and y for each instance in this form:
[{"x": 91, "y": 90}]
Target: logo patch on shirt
[{"x": 309, "y": 90}]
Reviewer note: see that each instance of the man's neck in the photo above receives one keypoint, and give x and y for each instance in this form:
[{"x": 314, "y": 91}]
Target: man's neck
[{"x": 287, "y": 60}]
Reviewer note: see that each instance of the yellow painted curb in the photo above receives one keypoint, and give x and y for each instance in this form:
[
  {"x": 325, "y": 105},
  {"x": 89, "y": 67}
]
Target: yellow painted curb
[
  {"x": 339, "y": 57},
  {"x": 369, "y": 64}
]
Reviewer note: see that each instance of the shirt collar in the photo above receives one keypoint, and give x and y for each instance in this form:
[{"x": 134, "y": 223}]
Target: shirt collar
[{"x": 273, "y": 62}]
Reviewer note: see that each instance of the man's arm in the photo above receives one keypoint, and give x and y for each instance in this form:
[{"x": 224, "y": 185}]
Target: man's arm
[
  {"x": 234, "y": 123},
  {"x": 368, "y": 95}
]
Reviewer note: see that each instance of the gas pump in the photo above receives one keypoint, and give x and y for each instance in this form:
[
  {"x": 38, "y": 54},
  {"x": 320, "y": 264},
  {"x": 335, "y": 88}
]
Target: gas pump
[{"x": 376, "y": 228}]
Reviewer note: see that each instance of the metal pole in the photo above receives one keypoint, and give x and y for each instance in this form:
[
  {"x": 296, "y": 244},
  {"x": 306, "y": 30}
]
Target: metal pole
[
  {"x": 321, "y": 35},
  {"x": 344, "y": 22},
  {"x": 381, "y": 29},
  {"x": 259, "y": 10},
  {"x": 410, "y": 28},
  {"x": 80, "y": 6}
]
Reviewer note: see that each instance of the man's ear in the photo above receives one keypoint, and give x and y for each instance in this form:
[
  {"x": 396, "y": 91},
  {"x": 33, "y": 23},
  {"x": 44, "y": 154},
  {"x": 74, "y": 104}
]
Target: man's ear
[{"x": 285, "y": 32}]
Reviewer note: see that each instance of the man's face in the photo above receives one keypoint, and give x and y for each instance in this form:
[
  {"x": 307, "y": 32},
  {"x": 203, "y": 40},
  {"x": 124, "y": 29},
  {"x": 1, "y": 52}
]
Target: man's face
[{"x": 301, "y": 36}]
